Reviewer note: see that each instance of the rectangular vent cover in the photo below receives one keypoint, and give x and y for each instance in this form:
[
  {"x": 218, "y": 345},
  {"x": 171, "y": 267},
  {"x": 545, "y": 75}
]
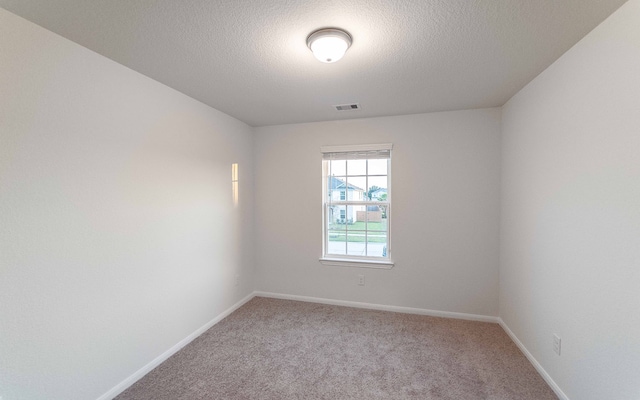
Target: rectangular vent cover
[{"x": 347, "y": 107}]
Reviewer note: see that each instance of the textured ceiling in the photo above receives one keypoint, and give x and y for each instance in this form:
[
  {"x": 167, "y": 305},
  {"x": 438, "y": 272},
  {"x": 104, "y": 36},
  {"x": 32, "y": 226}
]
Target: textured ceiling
[{"x": 248, "y": 58}]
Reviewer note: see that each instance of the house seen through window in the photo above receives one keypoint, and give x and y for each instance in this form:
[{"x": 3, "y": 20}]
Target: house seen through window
[{"x": 356, "y": 203}]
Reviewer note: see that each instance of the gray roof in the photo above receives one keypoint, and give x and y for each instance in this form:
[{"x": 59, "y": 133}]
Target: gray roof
[{"x": 337, "y": 184}]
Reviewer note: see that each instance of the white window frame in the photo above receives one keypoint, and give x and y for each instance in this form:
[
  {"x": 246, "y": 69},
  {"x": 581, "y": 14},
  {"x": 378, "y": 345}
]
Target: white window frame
[{"x": 358, "y": 151}]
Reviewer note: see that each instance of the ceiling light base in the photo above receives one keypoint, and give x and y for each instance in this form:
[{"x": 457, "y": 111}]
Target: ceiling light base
[{"x": 329, "y": 45}]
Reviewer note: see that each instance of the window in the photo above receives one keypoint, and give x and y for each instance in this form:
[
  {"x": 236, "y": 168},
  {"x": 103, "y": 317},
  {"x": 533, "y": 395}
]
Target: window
[{"x": 356, "y": 205}]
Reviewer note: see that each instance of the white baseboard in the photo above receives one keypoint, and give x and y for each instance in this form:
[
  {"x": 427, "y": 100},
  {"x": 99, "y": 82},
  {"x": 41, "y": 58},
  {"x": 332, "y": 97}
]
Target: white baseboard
[
  {"x": 381, "y": 307},
  {"x": 554, "y": 386},
  {"x": 122, "y": 386}
]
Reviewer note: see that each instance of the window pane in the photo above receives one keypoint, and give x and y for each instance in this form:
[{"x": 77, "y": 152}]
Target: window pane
[
  {"x": 377, "y": 187},
  {"x": 335, "y": 186},
  {"x": 336, "y": 217},
  {"x": 338, "y": 167},
  {"x": 356, "y": 217},
  {"x": 357, "y": 188},
  {"x": 378, "y": 167},
  {"x": 356, "y": 244},
  {"x": 356, "y": 167},
  {"x": 376, "y": 244},
  {"x": 375, "y": 222},
  {"x": 384, "y": 223},
  {"x": 336, "y": 243}
]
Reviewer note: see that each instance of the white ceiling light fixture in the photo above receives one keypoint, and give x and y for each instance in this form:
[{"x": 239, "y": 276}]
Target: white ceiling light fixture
[{"x": 329, "y": 45}]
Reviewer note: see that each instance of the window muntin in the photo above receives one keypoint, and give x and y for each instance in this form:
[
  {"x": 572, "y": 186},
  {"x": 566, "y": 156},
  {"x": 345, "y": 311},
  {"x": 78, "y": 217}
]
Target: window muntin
[{"x": 356, "y": 205}]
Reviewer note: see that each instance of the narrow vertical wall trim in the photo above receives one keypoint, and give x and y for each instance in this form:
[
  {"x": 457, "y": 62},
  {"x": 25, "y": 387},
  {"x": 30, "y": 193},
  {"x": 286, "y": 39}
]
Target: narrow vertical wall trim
[
  {"x": 122, "y": 386},
  {"x": 554, "y": 386}
]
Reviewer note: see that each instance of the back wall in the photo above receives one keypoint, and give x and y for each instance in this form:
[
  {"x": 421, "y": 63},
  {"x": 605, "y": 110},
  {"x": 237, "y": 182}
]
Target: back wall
[{"x": 445, "y": 211}]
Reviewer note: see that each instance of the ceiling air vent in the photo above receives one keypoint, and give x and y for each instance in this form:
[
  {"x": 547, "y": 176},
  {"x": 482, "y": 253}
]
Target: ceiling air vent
[{"x": 347, "y": 107}]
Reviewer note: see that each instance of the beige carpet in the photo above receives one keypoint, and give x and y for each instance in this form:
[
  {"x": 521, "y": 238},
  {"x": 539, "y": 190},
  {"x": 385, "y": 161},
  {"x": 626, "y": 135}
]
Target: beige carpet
[{"x": 280, "y": 349}]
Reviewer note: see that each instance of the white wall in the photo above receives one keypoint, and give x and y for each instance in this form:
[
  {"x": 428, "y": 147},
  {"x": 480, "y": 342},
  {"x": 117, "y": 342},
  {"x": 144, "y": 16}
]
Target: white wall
[
  {"x": 570, "y": 233},
  {"x": 118, "y": 237},
  {"x": 444, "y": 231}
]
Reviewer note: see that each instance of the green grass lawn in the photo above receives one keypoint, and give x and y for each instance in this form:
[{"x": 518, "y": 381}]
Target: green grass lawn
[
  {"x": 360, "y": 226},
  {"x": 359, "y": 239},
  {"x": 338, "y": 232}
]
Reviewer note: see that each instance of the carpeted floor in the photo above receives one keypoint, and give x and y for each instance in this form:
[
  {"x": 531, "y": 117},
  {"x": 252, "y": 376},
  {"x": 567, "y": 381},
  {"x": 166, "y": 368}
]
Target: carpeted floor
[{"x": 281, "y": 349}]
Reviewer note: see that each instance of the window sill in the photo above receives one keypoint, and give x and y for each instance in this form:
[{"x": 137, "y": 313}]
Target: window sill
[{"x": 349, "y": 262}]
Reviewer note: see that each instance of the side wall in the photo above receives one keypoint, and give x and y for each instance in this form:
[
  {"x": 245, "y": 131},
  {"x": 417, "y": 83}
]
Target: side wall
[
  {"x": 444, "y": 231},
  {"x": 118, "y": 236},
  {"x": 570, "y": 233}
]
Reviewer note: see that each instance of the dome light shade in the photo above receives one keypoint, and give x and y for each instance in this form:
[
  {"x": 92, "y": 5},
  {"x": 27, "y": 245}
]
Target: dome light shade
[{"x": 329, "y": 45}]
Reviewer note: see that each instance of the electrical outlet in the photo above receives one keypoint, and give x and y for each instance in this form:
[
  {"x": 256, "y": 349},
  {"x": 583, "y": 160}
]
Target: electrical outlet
[
  {"x": 360, "y": 280},
  {"x": 236, "y": 283},
  {"x": 557, "y": 344}
]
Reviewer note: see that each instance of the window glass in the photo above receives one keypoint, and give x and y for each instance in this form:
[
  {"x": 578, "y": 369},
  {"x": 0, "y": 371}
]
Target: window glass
[
  {"x": 338, "y": 168},
  {"x": 356, "y": 207},
  {"x": 356, "y": 167},
  {"x": 378, "y": 167}
]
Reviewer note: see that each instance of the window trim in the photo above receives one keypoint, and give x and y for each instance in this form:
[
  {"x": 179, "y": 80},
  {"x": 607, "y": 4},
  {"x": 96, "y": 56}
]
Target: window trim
[
  {"x": 347, "y": 260},
  {"x": 357, "y": 263}
]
